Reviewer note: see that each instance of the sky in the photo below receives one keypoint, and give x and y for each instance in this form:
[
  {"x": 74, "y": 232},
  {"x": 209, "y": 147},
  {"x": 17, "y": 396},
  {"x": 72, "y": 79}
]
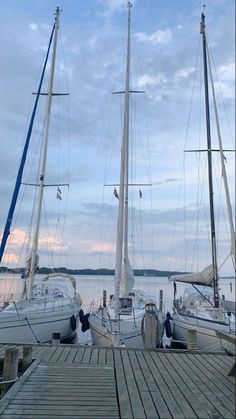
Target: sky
[{"x": 165, "y": 120}]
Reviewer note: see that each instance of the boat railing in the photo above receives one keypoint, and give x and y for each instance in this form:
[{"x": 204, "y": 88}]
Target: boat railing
[
  {"x": 218, "y": 313},
  {"x": 44, "y": 306},
  {"x": 99, "y": 314},
  {"x": 131, "y": 317}
]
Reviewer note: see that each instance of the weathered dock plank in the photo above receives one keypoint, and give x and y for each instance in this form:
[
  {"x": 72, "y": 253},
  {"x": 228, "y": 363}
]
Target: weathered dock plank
[
  {"x": 80, "y": 354},
  {"x": 133, "y": 391},
  {"x": 72, "y": 381},
  {"x": 176, "y": 387},
  {"x": 219, "y": 384},
  {"x": 197, "y": 399},
  {"x": 72, "y": 354},
  {"x": 161, "y": 386},
  {"x": 217, "y": 368},
  {"x": 66, "y": 390},
  {"x": 218, "y": 406},
  {"x": 122, "y": 391},
  {"x": 102, "y": 356}
]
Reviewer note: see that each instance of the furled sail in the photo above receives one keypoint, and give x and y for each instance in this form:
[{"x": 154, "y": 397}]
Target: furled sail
[
  {"x": 205, "y": 277},
  {"x": 127, "y": 279},
  {"x": 28, "y": 266}
]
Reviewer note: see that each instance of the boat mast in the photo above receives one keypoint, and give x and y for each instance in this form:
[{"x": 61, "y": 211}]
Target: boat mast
[
  {"x": 126, "y": 134},
  {"x": 122, "y": 222},
  {"x": 42, "y": 163},
  {"x": 209, "y": 155}
]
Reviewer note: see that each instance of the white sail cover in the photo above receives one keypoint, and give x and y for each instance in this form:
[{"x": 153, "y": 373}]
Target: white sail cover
[
  {"x": 127, "y": 279},
  {"x": 61, "y": 276},
  {"x": 205, "y": 277}
]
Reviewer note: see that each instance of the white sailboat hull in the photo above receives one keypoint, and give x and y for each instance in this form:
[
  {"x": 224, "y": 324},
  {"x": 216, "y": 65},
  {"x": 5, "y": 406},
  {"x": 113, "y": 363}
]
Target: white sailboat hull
[
  {"x": 130, "y": 330},
  {"x": 102, "y": 336},
  {"x": 38, "y": 327},
  {"x": 206, "y": 332}
]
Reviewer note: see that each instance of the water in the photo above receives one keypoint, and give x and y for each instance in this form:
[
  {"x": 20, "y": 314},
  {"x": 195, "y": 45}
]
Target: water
[{"x": 91, "y": 288}]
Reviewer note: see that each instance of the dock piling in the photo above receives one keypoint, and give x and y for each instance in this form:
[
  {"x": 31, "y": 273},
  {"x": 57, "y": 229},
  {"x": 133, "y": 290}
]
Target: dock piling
[
  {"x": 161, "y": 301},
  {"x": 56, "y": 338},
  {"x": 192, "y": 339},
  {"x": 27, "y": 357},
  {"x": 10, "y": 368},
  {"x": 104, "y": 298}
]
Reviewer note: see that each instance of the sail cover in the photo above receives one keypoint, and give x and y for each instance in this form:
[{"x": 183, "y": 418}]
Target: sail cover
[
  {"x": 205, "y": 277},
  {"x": 127, "y": 279}
]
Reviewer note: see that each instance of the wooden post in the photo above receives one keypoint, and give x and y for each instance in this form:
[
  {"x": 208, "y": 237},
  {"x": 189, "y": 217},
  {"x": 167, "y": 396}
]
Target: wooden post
[
  {"x": 56, "y": 338},
  {"x": 27, "y": 357},
  {"x": 192, "y": 339},
  {"x": 10, "y": 368},
  {"x": 104, "y": 298},
  {"x": 150, "y": 332},
  {"x": 150, "y": 327},
  {"x": 161, "y": 301}
]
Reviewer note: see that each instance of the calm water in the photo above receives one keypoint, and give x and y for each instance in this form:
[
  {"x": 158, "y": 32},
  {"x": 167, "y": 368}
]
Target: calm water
[{"x": 91, "y": 288}]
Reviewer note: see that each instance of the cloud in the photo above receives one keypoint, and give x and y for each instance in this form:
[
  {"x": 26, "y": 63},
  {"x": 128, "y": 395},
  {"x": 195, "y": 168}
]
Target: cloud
[
  {"x": 18, "y": 237},
  {"x": 111, "y": 7},
  {"x": 226, "y": 80},
  {"x": 102, "y": 247},
  {"x": 183, "y": 73},
  {"x": 171, "y": 180},
  {"x": 158, "y": 37},
  {"x": 52, "y": 243},
  {"x": 152, "y": 80},
  {"x": 11, "y": 257},
  {"x": 168, "y": 180},
  {"x": 15, "y": 242},
  {"x": 33, "y": 26},
  {"x": 227, "y": 71}
]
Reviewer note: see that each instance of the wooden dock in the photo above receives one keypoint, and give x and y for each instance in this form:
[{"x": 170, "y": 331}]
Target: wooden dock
[{"x": 73, "y": 381}]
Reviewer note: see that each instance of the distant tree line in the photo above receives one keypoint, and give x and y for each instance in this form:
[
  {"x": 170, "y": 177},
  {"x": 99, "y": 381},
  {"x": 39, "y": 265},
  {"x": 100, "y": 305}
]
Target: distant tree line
[{"x": 101, "y": 271}]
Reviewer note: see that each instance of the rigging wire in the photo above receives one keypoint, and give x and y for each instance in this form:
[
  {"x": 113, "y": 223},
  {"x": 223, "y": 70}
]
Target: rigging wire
[
  {"x": 149, "y": 179},
  {"x": 221, "y": 93},
  {"x": 183, "y": 175}
]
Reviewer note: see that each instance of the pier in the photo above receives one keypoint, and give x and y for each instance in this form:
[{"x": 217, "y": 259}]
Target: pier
[{"x": 75, "y": 381}]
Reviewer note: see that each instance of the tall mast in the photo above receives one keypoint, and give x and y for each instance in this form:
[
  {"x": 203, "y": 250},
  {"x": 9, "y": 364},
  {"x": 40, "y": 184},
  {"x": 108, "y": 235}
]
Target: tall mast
[
  {"x": 42, "y": 162},
  {"x": 209, "y": 155},
  {"x": 122, "y": 222},
  {"x": 126, "y": 134}
]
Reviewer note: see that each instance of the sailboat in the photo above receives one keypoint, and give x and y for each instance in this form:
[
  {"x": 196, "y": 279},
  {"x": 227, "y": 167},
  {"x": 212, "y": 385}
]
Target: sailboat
[
  {"x": 120, "y": 321},
  {"x": 201, "y": 308},
  {"x": 51, "y": 305}
]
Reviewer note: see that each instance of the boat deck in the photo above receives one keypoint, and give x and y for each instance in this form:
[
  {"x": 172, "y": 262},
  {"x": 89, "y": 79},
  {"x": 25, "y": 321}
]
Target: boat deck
[{"x": 74, "y": 381}]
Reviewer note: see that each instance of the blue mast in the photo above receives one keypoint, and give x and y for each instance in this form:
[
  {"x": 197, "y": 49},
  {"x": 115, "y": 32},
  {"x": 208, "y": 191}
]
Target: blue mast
[{"x": 7, "y": 231}]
